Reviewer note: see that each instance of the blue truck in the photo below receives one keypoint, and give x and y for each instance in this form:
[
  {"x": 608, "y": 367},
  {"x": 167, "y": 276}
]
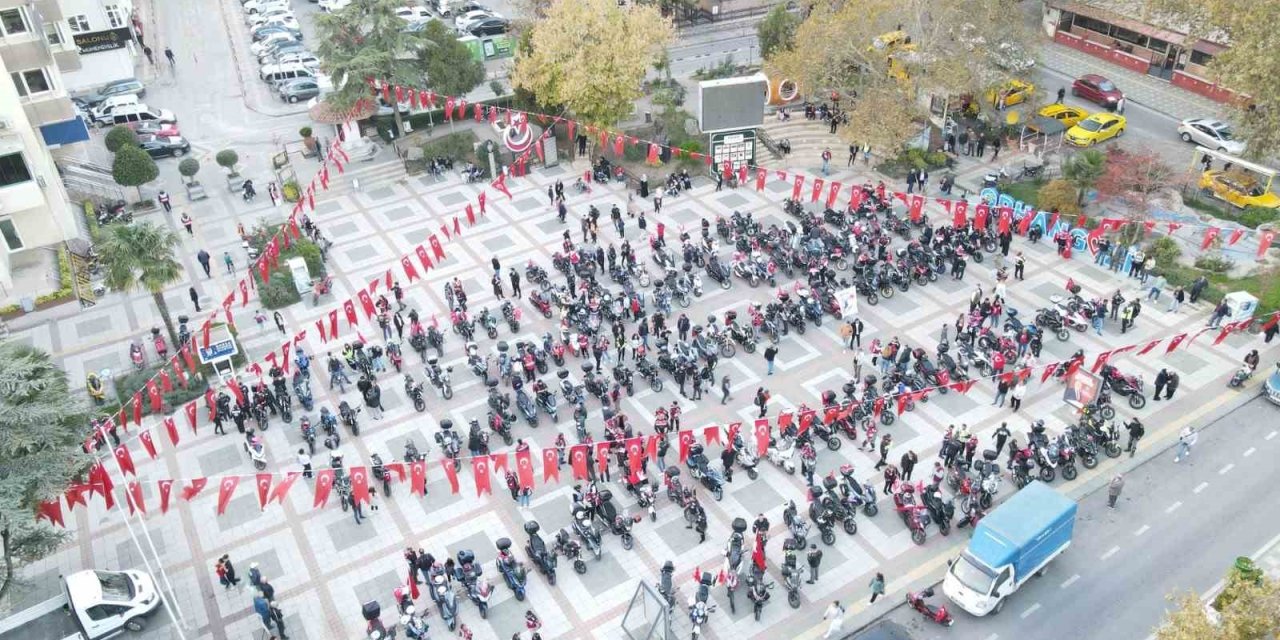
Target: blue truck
[{"x": 1012, "y": 543}]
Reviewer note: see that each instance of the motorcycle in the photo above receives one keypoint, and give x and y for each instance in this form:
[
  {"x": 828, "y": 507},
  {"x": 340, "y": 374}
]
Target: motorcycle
[
  {"x": 1237, "y": 380},
  {"x": 512, "y": 315},
  {"x": 937, "y": 614},
  {"x": 302, "y": 389},
  {"x": 665, "y": 587},
  {"x": 469, "y": 574},
  {"x": 440, "y": 378},
  {"x": 257, "y": 453},
  {"x": 699, "y": 607},
  {"x": 571, "y": 550},
  {"x": 445, "y": 599},
  {"x": 584, "y": 526},
  {"x": 543, "y": 558},
  {"x": 619, "y": 523},
  {"x": 308, "y": 433},
  {"x": 940, "y": 510},
  {"x": 733, "y": 557},
  {"x": 758, "y": 593},
  {"x": 700, "y": 469},
  {"x": 489, "y": 323},
  {"x": 1123, "y": 385},
  {"x": 348, "y": 417},
  {"x": 782, "y": 454},
  {"x": 414, "y": 391}
]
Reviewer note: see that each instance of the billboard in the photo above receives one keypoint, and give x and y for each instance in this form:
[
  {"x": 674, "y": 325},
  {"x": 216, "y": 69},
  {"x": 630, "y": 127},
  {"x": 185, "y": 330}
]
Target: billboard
[{"x": 732, "y": 103}]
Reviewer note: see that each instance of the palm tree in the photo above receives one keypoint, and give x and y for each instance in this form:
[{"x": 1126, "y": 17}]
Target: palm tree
[
  {"x": 1083, "y": 171},
  {"x": 141, "y": 256}
]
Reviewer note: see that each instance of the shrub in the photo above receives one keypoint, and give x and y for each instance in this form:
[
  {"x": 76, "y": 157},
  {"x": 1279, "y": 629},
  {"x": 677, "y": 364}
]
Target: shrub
[
  {"x": 280, "y": 292},
  {"x": 1214, "y": 263},
  {"x": 635, "y": 152},
  {"x": 1060, "y": 195},
  {"x": 189, "y": 167},
  {"x": 1252, "y": 217},
  {"x": 136, "y": 381},
  {"x": 1165, "y": 250},
  {"x": 227, "y": 159},
  {"x": 290, "y": 191},
  {"x": 132, "y": 167},
  {"x": 457, "y": 146},
  {"x": 305, "y": 132},
  {"x": 120, "y": 136}
]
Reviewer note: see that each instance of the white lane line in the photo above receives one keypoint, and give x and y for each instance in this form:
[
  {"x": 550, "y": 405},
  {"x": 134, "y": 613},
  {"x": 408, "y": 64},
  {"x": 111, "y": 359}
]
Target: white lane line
[
  {"x": 1141, "y": 531},
  {"x": 1112, "y": 552},
  {"x": 1069, "y": 581},
  {"x": 1271, "y": 435},
  {"x": 1250, "y": 451},
  {"x": 1223, "y": 471},
  {"x": 993, "y": 636},
  {"x": 1030, "y": 610},
  {"x": 1173, "y": 507},
  {"x": 1200, "y": 487}
]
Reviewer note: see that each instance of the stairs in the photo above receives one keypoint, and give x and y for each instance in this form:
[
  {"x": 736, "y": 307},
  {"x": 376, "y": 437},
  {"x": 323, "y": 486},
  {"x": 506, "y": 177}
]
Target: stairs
[
  {"x": 88, "y": 181},
  {"x": 82, "y": 265},
  {"x": 808, "y": 140},
  {"x": 368, "y": 175}
]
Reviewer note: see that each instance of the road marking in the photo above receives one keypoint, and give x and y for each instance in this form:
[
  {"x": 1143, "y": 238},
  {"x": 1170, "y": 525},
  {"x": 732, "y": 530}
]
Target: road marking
[
  {"x": 1110, "y": 553},
  {"x": 1141, "y": 531},
  {"x": 1271, "y": 435},
  {"x": 990, "y": 637},
  {"x": 1069, "y": 581},
  {"x": 1173, "y": 507},
  {"x": 1250, "y": 451},
  {"x": 1223, "y": 471},
  {"x": 1030, "y": 610},
  {"x": 1200, "y": 487}
]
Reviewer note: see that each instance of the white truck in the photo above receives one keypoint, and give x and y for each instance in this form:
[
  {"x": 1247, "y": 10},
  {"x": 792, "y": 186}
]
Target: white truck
[{"x": 94, "y": 605}]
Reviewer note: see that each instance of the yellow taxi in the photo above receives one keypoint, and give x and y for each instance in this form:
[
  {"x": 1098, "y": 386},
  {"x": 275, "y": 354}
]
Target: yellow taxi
[
  {"x": 1068, "y": 115},
  {"x": 1239, "y": 189},
  {"x": 1013, "y": 92},
  {"x": 1098, "y": 127}
]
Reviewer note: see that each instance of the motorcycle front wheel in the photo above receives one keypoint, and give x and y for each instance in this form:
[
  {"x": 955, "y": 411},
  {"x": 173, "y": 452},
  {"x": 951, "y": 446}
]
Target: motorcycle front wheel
[
  {"x": 828, "y": 537},
  {"x": 873, "y": 299},
  {"x": 448, "y": 393},
  {"x": 871, "y": 509},
  {"x": 656, "y": 384},
  {"x": 834, "y": 443},
  {"x": 1089, "y": 462},
  {"x": 850, "y": 526},
  {"x": 1063, "y": 334},
  {"x": 727, "y": 350},
  {"x": 627, "y": 541},
  {"x": 886, "y": 418},
  {"x": 492, "y": 332},
  {"x": 1113, "y": 450},
  {"x": 1047, "y": 474},
  {"x": 579, "y": 567},
  {"x": 1137, "y": 400},
  {"x": 419, "y": 404},
  {"x": 725, "y": 284},
  {"x": 793, "y": 599},
  {"x": 917, "y": 536},
  {"x": 684, "y": 301},
  {"x": 752, "y": 473},
  {"x": 1069, "y": 472}
]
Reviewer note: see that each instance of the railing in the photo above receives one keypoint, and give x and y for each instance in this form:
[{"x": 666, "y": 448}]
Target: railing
[
  {"x": 769, "y": 143},
  {"x": 82, "y": 271}
]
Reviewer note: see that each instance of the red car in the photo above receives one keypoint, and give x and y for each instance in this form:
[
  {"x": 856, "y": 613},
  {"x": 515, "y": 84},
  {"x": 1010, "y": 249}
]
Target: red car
[
  {"x": 155, "y": 128},
  {"x": 1096, "y": 89}
]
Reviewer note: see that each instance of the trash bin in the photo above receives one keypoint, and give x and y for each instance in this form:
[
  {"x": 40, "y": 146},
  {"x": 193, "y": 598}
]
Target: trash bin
[{"x": 28, "y": 304}]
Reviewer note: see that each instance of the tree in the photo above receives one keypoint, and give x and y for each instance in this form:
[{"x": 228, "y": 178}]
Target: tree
[
  {"x": 451, "y": 70},
  {"x": 777, "y": 32},
  {"x": 1058, "y": 195},
  {"x": 1253, "y": 612},
  {"x": 132, "y": 167},
  {"x": 1083, "y": 170},
  {"x": 188, "y": 168},
  {"x": 1134, "y": 179},
  {"x": 120, "y": 136},
  {"x": 367, "y": 40},
  {"x": 227, "y": 159},
  {"x": 591, "y": 56},
  {"x": 1251, "y": 65},
  {"x": 42, "y": 429},
  {"x": 141, "y": 256}
]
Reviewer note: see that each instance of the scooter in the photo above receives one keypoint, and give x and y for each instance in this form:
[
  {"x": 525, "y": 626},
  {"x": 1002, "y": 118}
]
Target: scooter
[
  {"x": 512, "y": 570},
  {"x": 96, "y": 389},
  {"x": 1241, "y": 375},
  {"x": 257, "y": 453},
  {"x": 445, "y": 599},
  {"x": 937, "y": 614},
  {"x": 538, "y": 552},
  {"x": 699, "y": 607},
  {"x": 782, "y": 454}
]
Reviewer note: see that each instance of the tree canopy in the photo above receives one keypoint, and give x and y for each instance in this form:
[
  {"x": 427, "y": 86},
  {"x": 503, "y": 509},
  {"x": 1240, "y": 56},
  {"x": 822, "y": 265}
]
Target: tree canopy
[
  {"x": 1250, "y": 66},
  {"x": 448, "y": 64},
  {"x": 1253, "y": 612},
  {"x": 777, "y": 32},
  {"x": 132, "y": 167},
  {"x": 591, "y": 56},
  {"x": 120, "y": 136},
  {"x": 886, "y": 53},
  {"x": 42, "y": 429},
  {"x": 142, "y": 256}
]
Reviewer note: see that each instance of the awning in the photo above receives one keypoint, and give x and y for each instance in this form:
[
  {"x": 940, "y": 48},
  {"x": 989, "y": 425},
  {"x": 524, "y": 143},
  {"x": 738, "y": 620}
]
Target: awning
[
  {"x": 325, "y": 113},
  {"x": 1149, "y": 30},
  {"x": 66, "y": 132}
]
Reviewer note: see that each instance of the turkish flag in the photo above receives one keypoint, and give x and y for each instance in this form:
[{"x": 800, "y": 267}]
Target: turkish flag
[
  {"x": 711, "y": 434},
  {"x": 1049, "y": 370},
  {"x": 757, "y": 554},
  {"x": 761, "y": 175},
  {"x": 179, "y": 373},
  {"x": 602, "y": 456},
  {"x": 550, "y": 465},
  {"x": 1006, "y": 218},
  {"x": 352, "y": 320},
  {"x": 818, "y": 184},
  {"x": 784, "y": 420},
  {"x": 855, "y": 196},
  {"x": 166, "y": 488},
  {"x": 480, "y": 473},
  {"x": 742, "y": 174},
  {"x": 278, "y": 492},
  {"x": 461, "y": 105},
  {"x": 244, "y": 296},
  {"x": 618, "y": 142},
  {"x": 499, "y": 463},
  {"x": 366, "y": 303},
  {"x": 100, "y": 482},
  {"x": 190, "y": 409},
  {"x": 1025, "y": 225},
  {"x": 1174, "y": 342},
  {"x": 762, "y": 430},
  {"x": 1101, "y": 361},
  {"x": 635, "y": 456},
  {"x": 1198, "y": 334},
  {"x": 963, "y": 386},
  {"x": 806, "y": 419},
  {"x": 524, "y": 468},
  {"x": 137, "y": 410},
  {"x": 450, "y": 474},
  {"x": 324, "y": 484},
  {"x": 578, "y": 461},
  {"x": 148, "y": 443},
  {"x": 418, "y": 477},
  {"x": 263, "y": 482},
  {"x": 734, "y": 429},
  {"x": 133, "y": 497},
  {"x": 653, "y": 153},
  {"x": 51, "y": 510},
  {"x": 359, "y": 484},
  {"x": 877, "y": 406},
  {"x": 832, "y": 193},
  {"x": 1209, "y": 235},
  {"x": 1173, "y": 226},
  {"x": 1149, "y": 346},
  {"x": 902, "y": 402},
  {"x": 409, "y": 271},
  {"x": 226, "y": 488},
  {"x": 1235, "y": 237},
  {"x": 166, "y": 384},
  {"x": 917, "y": 207},
  {"x": 796, "y": 187},
  {"x": 686, "y": 441},
  {"x": 194, "y": 488},
  {"x": 75, "y": 494},
  {"x": 1264, "y": 242},
  {"x": 126, "y": 460},
  {"x": 480, "y": 200},
  {"x": 436, "y": 249},
  {"x": 980, "y": 215},
  {"x": 899, "y": 195},
  {"x": 958, "y": 217},
  {"x": 423, "y": 257}
]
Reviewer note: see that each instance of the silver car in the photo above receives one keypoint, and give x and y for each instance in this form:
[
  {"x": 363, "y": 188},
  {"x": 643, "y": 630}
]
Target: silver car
[
  {"x": 300, "y": 89},
  {"x": 1211, "y": 134}
]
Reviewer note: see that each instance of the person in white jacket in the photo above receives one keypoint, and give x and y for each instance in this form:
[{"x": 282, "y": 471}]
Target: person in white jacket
[
  {"x": 834, "y": 613},
  {"x": 1186, "y": 439}
]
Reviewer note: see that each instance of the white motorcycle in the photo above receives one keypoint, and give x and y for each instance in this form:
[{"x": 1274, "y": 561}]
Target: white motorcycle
[{"x": 782, "y": 454}]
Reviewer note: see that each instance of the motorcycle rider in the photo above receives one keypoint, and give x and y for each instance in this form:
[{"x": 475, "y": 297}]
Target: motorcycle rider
[{"x": 1251, "y": 361}]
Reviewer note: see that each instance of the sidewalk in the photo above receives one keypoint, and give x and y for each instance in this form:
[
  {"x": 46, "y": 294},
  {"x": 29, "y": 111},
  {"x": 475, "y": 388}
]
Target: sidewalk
[{"x": 1148, "y": 91}]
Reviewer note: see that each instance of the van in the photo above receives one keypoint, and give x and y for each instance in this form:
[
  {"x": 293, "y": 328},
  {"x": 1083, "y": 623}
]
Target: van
[
  {"x": 102, "y": 112},
  {"x": 135, "y": 113},
  {"x": 104, "y": 604},
  {"x": 274, "y": 74}
]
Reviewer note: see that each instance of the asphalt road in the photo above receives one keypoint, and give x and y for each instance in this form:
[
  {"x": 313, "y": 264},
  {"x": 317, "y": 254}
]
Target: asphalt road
[{"x": 1178, "y": 526}]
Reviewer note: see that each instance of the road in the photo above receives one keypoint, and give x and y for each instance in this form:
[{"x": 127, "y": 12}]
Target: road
[{"x": 1166, "y": 534}]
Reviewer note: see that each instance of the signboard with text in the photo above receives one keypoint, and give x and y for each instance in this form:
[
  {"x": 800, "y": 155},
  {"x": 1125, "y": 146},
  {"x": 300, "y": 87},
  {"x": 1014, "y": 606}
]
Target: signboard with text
[
  {"x": 99, "y": 41},
  {"x": 738, "y": 147}
]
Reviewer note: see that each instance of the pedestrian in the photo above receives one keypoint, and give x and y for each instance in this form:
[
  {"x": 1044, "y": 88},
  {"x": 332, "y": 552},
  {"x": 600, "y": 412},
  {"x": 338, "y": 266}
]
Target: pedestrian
[
  {"x": 770, "y": 353},
  {"x": 150, "y": 55},
  {"x": 1062, "y": 92},
  {"x": 834, "y": 613},
  {"x": 1162, "y": 379},
  {"x": 279, "y": 320},
  {"x": 263, "y": 608},
  {"x": 826, "y": 161},
  {"x": 278, "y": 617},
  {"x": 1113, "y": 490},
  {"x": 663, "y": 447},
  {"x": 1002, "y": 389},
  {"x": 1219, "y": 313},
  {"x": 1176, "y": 300},
  {"x": 1186, "y": 439},
  {"x": 1019, "y": 390},
  {"x": 884, "y": 450},
  {"x": 497, "y": 287},
  {"x": 260, "y": 317},
  {"x": 304, "y": 461},
  {"x": 163, "y": 198},
  {"x": 1120, "y": 105},
  {"x": 995, "y": 148},
  {"x": 230, "y": 569},
  {"x": 186, "y": 223},
  {"x": 1197, "y": 288},
  {"x": 762, "y": 401},
  {"x": 908, "y": 463},
  {"x": 515, "y": 284},
  {"x": 1156, "y": 287},
  {"x": 1019, "y": 265},
  {"x": 1136, "y": 431},
  {"x": 1173, "y": 385},
  {"x": 221, "y": 571},
  {"x": 853, "y": 155},
  {"x": 890, "y": 478},
  {"x": 815, "y": 560},
  {"x": 231, "y": 264},
  {"x": 1002, "y": 435},
  {"x": 877, "y": 587},
  {"x": 202, "y": 257},
  {"x": 724, "y": 390}
]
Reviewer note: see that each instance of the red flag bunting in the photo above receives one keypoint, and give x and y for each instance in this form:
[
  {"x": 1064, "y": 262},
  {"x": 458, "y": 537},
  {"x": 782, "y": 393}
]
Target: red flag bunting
[
  {"x": 226, "y": 488},
  {"x": 324, "y": 485},
  {"x": 550, "y": 465},
  {"x": 278, "y": 492}
]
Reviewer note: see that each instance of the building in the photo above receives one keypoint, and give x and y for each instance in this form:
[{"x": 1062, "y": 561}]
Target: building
[
  {"x": 103, "y": 33},
  {"x": 1124, "y": 33},
  {"x": 36, "y": 115}
]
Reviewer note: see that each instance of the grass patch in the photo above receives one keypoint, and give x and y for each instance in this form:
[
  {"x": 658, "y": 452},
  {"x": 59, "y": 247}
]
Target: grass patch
[
  {"x": 1027, "y": 191},
  {"x": 1251, "y": 217}
]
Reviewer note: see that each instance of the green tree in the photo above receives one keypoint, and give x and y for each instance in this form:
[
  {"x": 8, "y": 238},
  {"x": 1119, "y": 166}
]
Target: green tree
[
  {"x": 368, "y": 40},
  {"x": 142, "y": 256},
  {"x": 591, "y": 56},
  {"x": 1251, "y": 66},
  {"x": 1083, "y": 170},
  {"x": 1060, "y": 196},
  {"x": 1252, "y": 613},
  {"x": 227, "y": 159},
  {"x": 451, "y": 70},
  {"x": 189, "y": 167},
  {"x": 120, "y": 136},
  {"x": 42, "y": 428},
  {"x": 132, "y": 167},
  {"x": 777, "y": 32}
]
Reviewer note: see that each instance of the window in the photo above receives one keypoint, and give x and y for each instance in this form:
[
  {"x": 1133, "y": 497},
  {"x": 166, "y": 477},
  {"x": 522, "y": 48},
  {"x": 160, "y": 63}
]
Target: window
[
  {"x": 115, "y": 17},
  {"x": 78, "y": 24},
  {"x": 10, "y": 233},
  {"x": 13, "y": 170},
  {"x": 1201, "y": 58},
  {"x": 1092, "y": 24},
  {"x": 14, "y": 21},
  {"x": 52, "y": 33},
  {"x": 1128, "y": 36},
  {"x": 31, "y": 81}
]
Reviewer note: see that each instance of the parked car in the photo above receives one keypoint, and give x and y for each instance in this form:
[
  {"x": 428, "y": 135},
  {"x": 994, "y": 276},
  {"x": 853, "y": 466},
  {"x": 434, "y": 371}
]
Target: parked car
[
  {"x": 414, "y": 14},
  {"x": 133, "y": 114},
  {"x": 1239, "y": 189},
  {"x": 1096, "y": 89},
  {"x": 102, "y": 112},
  {"x": 330, "y": 6},
  {"x": 463, "y": 22},
  {"x": 152, "y": 128},
  {"x": 280, "y": 20},
  {"x": 299, "y": 89},
  {"x": 1098, "y": 127},
  {"x": 164, "y": 146},
  {"x": 130, "y": 86},
  {"x": 1068, "y": 115},
  {"x": 1214, "y": 134},
  {"x": 258, "y": 33},
  {"x": 489, "y": 27},
  {"x": 269, "y": 54},
  {"x": 1013, "y": 92},
  {"x": 270, "y": 40},
  {"x": 304, "y": 57},
  {"x": 258, "y": 6},
  {"x": 261, "y": 17}
]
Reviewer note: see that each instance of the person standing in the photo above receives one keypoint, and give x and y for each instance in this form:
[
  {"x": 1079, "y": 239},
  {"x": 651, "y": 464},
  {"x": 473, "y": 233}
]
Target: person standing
[
  {"x": 855, "y": 333},
  {"x": 305, "y": 461},
  {"x": 834, "y": 613},
  {"x": 1002, "y": 389},
  {"x": 163, "y": 197},
  {"x": 263, "y": 608},
  {"x": 1136, "y": 431},
  {"x": 877, "y": 587},
  {"x": 1002, "y": 435},
  {"x": 276, "y": 614},
  {"x": 1019, "y": 265},
  {"x": 908, "y": 464},
  {"x": 890, "y": 478},
  {"x": 227, "y": 260},
  {"x": 1175, "y": 301},
  {"x": 1197, "y": 288},
  {"x": 995, "y": 148},
  {"x": 195, "y": 298},
  {"x": 826, "y": 161},
  {"x": 515, "y": 284},
  {"x": 1062, "y": 93},
  {"x": 762, "y": 401},
  {"x": 884, "y": 450},
  {"x": 1113, "y": 490},
  {"x": 230, "y": 569},
  {"x": 151, "y": 57},
  {"x": 853, "y": 154},
  {"x": 770, "y": 353},
  {"x": 279, "y": 319},
  {"x": 1019, "y": 390},
  {"x": 202, "y": 257},
  {"x": 1162, "y": 379},
  {"x": 724, "y": 390},
  {"x": 1173, "y": 385},
  {"x": 815, "y": 560},
  {"x": 1186, "y": 439},
  {"x": 497, "y": 287}
]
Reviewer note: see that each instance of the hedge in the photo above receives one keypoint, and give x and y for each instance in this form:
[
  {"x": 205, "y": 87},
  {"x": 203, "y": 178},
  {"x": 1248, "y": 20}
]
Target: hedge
[{"x": 280, "y": 291}]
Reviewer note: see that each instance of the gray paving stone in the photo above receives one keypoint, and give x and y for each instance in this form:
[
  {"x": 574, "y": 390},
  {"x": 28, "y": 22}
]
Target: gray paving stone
[
  {"x": 325, "y": 208},
  {"x": 360, "y": 253},
  {"x": 498, "y": 243},
  {"x": 605, "y": 573},
  {"x": 416, "y": 237},
  {"x": 221, "y": 460},
  {"x": 552, "y": 515},
  {"x": 481, "y": 545},
  {"x": 242, "y": 509},
  {"x": 343, "y": 229},
  {"x": 525, "y": 205},
  {"x": 453, "y": 198},
  {"x": 345, "y": 533},
  {"x": 757, "y": 497},
  {"x": 952, "y": 403},
  {"x": 380, "y": 193},
  {"x": 398, "y": 213},
  {"x": 379, "y": 588},
  {"x": 270, "y": 566},
  {"x": 94, "y": 326},
  {"x": 1184, "y": 360},
  {"x": 731, "y": 200},
  {"x": 127, "y": 552}
]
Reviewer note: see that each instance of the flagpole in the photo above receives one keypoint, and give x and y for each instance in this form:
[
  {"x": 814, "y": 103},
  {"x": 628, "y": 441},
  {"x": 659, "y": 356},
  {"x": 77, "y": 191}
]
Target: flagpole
[{"x": 168, "y": 606}]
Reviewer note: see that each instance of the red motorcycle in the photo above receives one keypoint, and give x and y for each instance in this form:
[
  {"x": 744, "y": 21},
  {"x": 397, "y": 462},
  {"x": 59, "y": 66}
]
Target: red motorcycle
[
  {"x": 540, "y": 302},
  {"x": 393, "y": 353},
  {"x": 937, "y": 614},
  {"x": 914, "y": 515},
  {"x": 157, "y": 339}
]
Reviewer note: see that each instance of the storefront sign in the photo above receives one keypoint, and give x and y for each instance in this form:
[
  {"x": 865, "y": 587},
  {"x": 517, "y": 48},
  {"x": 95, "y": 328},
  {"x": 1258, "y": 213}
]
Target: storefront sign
[{"x": 100, "y": 41}]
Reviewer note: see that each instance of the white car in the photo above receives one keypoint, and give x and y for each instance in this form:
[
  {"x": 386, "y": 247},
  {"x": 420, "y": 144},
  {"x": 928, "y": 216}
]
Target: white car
[
  {"x": 258, "y": 6},
  {"x": 414, "y": 14},
  {"x": 255, "y": 19},
  {"x": 464, "y": 21},
  {"x": 1212, "y": 134},
  {"x": 270, "y": 41},
  {"x": 333, "y": 5},
  {"x": 305, "y": 58}
]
